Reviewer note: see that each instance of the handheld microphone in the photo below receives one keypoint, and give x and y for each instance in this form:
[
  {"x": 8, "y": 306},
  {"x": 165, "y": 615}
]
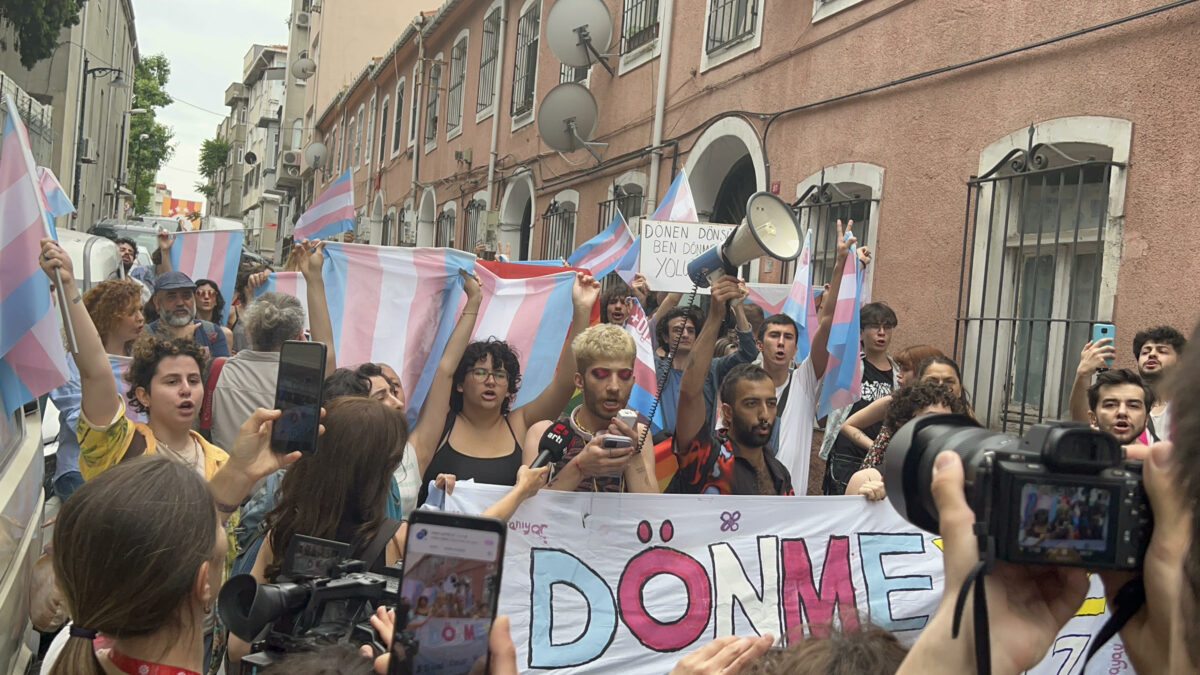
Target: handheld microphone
[{"x": 553, "y": 444}]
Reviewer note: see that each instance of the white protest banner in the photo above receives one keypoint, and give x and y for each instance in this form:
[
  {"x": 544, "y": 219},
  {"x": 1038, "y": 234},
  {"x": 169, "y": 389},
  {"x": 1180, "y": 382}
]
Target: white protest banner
[
  {"x": 631, "y": 583},
  {"x": 667, "y": 248}
]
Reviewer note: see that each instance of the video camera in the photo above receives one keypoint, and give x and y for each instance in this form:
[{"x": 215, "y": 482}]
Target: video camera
[
  {"x": 323, "y": 598},
  {"x": 1062, "y": 494}
]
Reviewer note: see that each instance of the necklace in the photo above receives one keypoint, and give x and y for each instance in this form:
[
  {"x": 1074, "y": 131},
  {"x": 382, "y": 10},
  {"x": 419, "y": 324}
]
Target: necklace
[
  {"x": 129, "y": 664},
  {"x": 575, "y": 421},
  {"x": 193, "y": 458}
]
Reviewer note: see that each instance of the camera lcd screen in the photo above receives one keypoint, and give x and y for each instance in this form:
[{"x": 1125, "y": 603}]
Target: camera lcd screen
[
  {"x": 1066, "y": 524},
  {"x": 451, "y": 580}
]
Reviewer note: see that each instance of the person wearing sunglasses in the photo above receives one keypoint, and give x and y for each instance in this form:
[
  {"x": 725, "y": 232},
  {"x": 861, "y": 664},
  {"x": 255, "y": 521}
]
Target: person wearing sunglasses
[
  {"x": 604, "y": 360},
  {"x": 210, "y": 306}
]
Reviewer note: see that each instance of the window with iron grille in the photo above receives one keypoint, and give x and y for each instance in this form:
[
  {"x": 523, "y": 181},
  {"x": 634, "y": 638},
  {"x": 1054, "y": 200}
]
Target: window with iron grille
[
  {"x": 408, "y": 228},
  {"x": 445, "y": 229},
  {"x": 347, "y": 158},
  {"x": 472, "y": 212},
  {"x": 818, "y": 210},
  {"x": 730, "y": 22},
  {"x": 399, "y": 121},
  {"x": 571, "y": 74},
  {"x": 383, "y": 129},
  {"x": 360, "y": 131},
  {"x": 387, "y": 231},
  {"x": 525, "y": 65},
  {"x": 1033, "y": 253},
  {"x": 487, "y": 61},
  {"x": 627, "y": 198},
  {"x": 558, "y": 230},
  {"x": 434, "y": 94},
  {"x": 454, "y": 97},
  {"x": 369, "y": 133},
  {"x": 639, "y": 24}
]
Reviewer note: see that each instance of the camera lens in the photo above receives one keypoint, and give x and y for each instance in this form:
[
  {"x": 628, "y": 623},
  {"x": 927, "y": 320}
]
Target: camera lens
[{"x": 908, "y": 462}]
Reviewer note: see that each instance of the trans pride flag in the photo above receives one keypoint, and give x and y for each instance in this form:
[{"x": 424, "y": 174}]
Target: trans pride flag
[
  {"x": 399, "y": 305},
  {"x": 644, "y": 376},
  {"x": 57, "y": 203},
  {"x": 843, "y": 375},
  {"x": 677, "y": 204},
  {"x": 332, "y": 212},
  {"x": 32, "y": 358},
  {"x": 800, "y": 305},
  {"x": 209, "y": 254},
  {"x": 603, "y": 252}
]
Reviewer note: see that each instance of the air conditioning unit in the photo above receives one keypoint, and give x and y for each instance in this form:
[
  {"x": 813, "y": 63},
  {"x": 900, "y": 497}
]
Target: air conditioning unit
[
  {"x": 303, "y": 19},
  {"x": 292, "y": 170},
  {"x": 290, "y": 157},
  {"x": 86, "y": 147},
  {"x": 463, "y": 155}
]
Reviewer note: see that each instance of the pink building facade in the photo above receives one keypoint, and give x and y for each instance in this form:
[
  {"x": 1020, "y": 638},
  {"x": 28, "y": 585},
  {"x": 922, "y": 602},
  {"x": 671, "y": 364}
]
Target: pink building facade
[{"x": 1013, "y": 175}]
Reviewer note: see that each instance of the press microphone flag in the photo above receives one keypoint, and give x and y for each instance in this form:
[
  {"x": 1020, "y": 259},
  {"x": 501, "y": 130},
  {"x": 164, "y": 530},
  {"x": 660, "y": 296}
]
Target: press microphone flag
[{"x": 553, "y": 444}]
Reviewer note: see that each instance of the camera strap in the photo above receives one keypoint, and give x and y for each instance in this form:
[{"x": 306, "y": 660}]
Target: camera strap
[
  {"x": 983, "y": 647},
  {"x": 1126, "y": 603}
]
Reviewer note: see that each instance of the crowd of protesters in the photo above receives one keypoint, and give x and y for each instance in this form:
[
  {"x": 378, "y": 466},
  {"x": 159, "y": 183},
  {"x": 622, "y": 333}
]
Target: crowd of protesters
[{"x": 168, "y": 483}]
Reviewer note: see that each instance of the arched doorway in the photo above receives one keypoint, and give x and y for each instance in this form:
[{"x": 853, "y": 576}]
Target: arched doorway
[
  {"x": 427, "y": 219},
  {"x": 374, "y": 234},
  {"x": 516, "y": 218}
]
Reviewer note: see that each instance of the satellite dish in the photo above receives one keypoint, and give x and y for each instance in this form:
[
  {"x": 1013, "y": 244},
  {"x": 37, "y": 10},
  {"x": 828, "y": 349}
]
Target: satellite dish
[
  {"x": 303, "y": 68},
  {"x": 567, "y": 117},
  {"x": 579, "y": 32},
  {"x": 315, "y": 153},
  {"x": 250, "y": 158}
]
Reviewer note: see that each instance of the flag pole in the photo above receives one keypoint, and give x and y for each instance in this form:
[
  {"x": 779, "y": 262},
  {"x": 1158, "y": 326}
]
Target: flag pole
[{"x": 31, "y": 171}]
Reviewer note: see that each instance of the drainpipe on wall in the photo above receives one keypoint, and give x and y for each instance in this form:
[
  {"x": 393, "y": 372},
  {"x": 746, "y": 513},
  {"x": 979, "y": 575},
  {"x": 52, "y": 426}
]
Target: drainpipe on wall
[
  {"x": 660, "y": 103},
  {"x": 492, "y": 154},
  {"x": 419, "y": 22}
]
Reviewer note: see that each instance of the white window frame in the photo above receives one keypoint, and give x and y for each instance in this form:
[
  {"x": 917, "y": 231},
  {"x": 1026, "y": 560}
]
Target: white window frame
[
  {"x": 733, "y": 51},
  {"x": 431, "y": 91},
  {"x": 448, "y": 207},
  {"x": 643, "y": 54},
  {"x": 369, "y": 136},
  {"x": 463, "y": 37},
  {"x": 526, "y": 118},
  {"x": 859, "y": 173},
  {"x": 398, "y": 121},
  {"x": 823, "y": 9},
  {"x": 1113, "y": 133},
  {"x": 481, "y": 115},
  {"x": 384, "y": 124}
]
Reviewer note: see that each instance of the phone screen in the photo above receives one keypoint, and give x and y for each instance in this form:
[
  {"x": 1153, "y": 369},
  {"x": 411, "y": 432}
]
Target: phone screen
[
  {"x": 298, "y": 395},
  {"x": 451, "y": 583}
]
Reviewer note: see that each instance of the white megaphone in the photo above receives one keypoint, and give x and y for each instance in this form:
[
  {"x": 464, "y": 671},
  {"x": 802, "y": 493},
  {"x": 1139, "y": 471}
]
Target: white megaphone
[{"x": 769, "y": 228}]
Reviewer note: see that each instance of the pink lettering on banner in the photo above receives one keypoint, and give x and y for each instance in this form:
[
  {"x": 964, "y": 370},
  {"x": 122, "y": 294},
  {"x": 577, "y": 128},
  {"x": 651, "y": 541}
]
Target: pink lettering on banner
[
  {"x": 657, "y": 635},
  {"x": 802, "y": 599}
]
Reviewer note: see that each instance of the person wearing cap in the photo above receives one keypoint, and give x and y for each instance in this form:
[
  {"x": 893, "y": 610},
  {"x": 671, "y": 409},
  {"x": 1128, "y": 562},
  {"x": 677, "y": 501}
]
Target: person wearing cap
[{"x": 175, "y": 300}]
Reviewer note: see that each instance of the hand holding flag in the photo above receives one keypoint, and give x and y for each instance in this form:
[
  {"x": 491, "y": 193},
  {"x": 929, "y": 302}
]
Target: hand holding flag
[{"x": 843, "y": 374}]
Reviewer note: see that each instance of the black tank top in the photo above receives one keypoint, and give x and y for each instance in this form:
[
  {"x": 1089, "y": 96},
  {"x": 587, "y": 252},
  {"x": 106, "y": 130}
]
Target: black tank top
[{"x": 492, "y": 470}]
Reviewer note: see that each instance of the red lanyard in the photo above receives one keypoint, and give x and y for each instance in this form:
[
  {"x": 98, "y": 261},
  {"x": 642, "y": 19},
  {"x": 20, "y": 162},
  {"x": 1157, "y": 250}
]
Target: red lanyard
[{"x": 128, "y": 664}]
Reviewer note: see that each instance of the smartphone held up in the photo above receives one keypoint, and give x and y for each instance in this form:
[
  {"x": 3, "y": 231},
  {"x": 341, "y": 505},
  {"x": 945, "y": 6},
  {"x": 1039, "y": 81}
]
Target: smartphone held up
[{"x": 298, "y": 394}]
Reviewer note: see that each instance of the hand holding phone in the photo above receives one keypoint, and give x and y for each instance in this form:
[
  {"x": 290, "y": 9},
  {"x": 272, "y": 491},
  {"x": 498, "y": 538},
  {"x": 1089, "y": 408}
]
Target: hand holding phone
[
  {"x": 451, "y": 583},
  {"x": 1101, "y": 331}
]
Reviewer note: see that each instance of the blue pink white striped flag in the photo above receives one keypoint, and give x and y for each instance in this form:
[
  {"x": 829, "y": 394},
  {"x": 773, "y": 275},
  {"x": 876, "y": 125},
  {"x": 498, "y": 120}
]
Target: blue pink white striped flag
[
  {"x": 291, "y": 283},
  {"x": 843, "y": 374},
  {"x": 645, "y": 380},
  {"x": 677, "y": 204},
  {"x": 32, "y": 358},
  {"x": 332, "y": 212},
  {"x": 603, "y": 252},
  {"x": 56, "y": 197},
  {"x": 534, "y": 316},
  {"x": 209, "y": 254},
  {"x": 627, "y": 266},
  {"x": 399, "y": 305},
  {"x": 799, "y": 303},
  {"x": 120, "y": 366}
]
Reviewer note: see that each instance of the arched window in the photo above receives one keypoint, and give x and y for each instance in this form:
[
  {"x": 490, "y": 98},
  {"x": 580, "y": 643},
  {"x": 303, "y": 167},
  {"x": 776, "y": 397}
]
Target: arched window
[{"x": 558, "y": 225}]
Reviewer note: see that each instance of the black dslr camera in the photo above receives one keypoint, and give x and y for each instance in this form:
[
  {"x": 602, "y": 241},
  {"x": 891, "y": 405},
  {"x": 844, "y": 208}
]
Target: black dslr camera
[
  {"x": 322, "y": 598},
  {"x": 1062, "y": 494}
]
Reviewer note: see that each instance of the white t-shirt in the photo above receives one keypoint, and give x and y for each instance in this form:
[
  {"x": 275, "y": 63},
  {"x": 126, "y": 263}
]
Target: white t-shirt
[
  {"x": 796, "y": 425},
  {"x": 1162, "y": 422}
]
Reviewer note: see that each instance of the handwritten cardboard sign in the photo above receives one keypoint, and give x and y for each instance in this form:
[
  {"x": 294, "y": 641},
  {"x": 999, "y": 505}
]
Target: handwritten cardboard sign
[{"x": 667, "y": 248}]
